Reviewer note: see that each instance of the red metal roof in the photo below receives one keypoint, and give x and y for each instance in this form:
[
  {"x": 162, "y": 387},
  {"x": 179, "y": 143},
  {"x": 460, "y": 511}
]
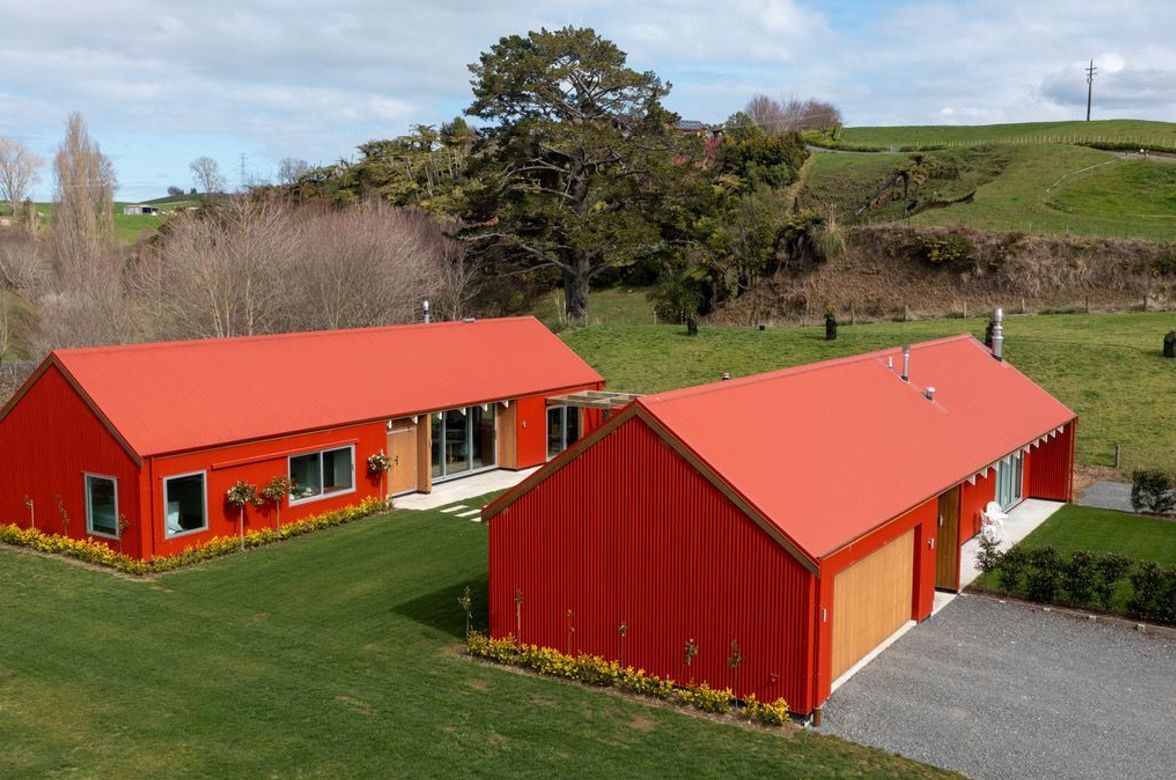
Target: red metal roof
[
  {"x": 828, "y": 451},
  {"x": 184, "y": 395}
]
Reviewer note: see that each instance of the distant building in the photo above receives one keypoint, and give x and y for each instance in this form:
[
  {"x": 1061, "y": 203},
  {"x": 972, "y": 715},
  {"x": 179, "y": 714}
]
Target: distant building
[
  {"x": 692, "y": 126},
  {"x": 139, "y": 208}
]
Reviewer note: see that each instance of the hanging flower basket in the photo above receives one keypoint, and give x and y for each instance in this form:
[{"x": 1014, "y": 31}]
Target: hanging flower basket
[{"x": 378, "y": 463}]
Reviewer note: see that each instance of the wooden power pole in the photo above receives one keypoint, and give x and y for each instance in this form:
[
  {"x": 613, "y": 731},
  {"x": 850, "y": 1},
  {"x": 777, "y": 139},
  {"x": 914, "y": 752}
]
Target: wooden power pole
[{"x": 1090, "y": 74}]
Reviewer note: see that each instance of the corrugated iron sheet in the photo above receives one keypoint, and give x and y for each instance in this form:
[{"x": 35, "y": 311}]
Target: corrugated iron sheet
[{"x": 630, "y": 533}]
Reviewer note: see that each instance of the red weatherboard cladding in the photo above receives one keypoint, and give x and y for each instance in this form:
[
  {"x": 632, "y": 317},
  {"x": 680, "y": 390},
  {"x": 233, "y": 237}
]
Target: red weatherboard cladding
[
  {"x": 663, "y": 550},
  {"x": 256, "y": 463},
  {"x": 1052, "y": 467},
  {"x": 49, "y": 440}
]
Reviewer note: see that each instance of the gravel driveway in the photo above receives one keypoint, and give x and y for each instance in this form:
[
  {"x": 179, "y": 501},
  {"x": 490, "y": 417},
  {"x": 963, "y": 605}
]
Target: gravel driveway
[{"x": 1008, "y": 691}]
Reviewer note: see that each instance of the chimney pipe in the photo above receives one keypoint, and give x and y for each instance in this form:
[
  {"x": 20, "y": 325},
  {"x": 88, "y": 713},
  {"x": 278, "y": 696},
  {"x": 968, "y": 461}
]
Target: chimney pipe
[
  {"x": 906, "y": 362},
  {"x": 998, "y": 334},
  {"x": 726, "y": 375},
  {"x": 929, "y": 393},
  {"x": 425, "y": 308}
]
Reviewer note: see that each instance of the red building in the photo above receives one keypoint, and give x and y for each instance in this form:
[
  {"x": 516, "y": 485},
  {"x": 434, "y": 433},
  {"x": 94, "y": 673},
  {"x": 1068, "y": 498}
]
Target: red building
[
  {"x": 157, "y": 433},
  {"x": 805, "y": 514}
]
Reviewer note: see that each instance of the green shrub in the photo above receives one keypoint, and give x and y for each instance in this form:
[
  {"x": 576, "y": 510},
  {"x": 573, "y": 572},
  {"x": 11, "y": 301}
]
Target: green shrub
[
  {"x": 1151, "y": 491},
  {"x": 1110, "y": 568},
  {"x": 1012, "y": 565},
  {"x": 598, "y": 671},
  {"x": 943, "y": 250},
  {"x": 1045, "y": 569},
  {"x": 1079, "y": 576},
  {"x": 1148, "y": 586},
  {"x": 989, "y": 555}
]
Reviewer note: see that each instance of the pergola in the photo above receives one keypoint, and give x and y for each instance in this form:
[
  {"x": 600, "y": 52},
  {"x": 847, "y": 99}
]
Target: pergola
[{"x": 594, "y": 399}]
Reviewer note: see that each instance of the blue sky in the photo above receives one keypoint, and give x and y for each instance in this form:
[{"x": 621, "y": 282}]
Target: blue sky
[{"x": 164, "y": 83}]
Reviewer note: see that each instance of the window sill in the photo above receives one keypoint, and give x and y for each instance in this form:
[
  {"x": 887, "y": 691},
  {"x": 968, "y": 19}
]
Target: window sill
[
  {"x": 320, "y": 497},
  {"x": 101, "y": 535},
  {"x": 189, "y": 532}
]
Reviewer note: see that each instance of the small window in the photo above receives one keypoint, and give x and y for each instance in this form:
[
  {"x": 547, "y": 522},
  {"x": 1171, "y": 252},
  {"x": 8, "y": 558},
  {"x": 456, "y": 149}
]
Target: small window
[
  {"x": 185, "y": 503},
  {"x": 321, "y": 474},
  {"x": 102, "y": 505}
]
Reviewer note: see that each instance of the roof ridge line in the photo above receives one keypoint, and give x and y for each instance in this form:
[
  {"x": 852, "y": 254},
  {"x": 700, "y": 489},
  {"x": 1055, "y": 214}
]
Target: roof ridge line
[
  {"x": 207, "y": 341},
  {"x": 802, "y": 368}
]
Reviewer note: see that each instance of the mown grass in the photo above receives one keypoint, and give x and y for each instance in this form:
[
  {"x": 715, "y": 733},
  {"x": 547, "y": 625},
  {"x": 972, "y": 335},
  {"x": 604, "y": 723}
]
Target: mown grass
[
  {"x": 1106, "y": 367},
  {"x": 128, "y": 228},
  {"x": 613, "y": 306},
  {"x": 1075, "y": 528},
  {"x": 332, "y": 655},
  {"x": 1110, "y": 130}
]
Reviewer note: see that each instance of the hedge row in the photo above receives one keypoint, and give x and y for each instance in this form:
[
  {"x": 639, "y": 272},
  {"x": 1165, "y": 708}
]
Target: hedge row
[
  {"x": 97, "y": 553},
  {"x": 1087, "y": 579},
  {"x": 594, "y": 670}
]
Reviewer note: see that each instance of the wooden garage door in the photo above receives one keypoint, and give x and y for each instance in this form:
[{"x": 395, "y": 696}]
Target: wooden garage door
[{"x": 871, "y": 600}]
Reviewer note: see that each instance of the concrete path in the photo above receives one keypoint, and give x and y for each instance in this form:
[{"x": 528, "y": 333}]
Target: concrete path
[
  {"x": 1005, "y": 690},
  {"x": 1107, "y": 495},
  {"x": 458, "y": 490}
]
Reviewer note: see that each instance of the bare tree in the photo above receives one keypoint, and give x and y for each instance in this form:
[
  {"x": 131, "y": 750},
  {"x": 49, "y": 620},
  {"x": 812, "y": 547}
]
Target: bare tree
[
  {"x": 82, "y": 225},
  {"x": 22, "y": 269},
  {"x": 207, "y": 176},
  {"x": 291, "y": 169},
  {"x": 791, "y": 115},
  {"x": 18, "y": 171}
]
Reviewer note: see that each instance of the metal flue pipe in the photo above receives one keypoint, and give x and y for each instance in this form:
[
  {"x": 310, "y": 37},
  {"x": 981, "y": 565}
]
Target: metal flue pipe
[
  {"x": 998, "y": 334},
  {"x": 906, "y": 362}
]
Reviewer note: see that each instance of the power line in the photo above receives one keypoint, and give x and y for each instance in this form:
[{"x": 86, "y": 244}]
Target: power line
[{"x": 1091, "y": 72}]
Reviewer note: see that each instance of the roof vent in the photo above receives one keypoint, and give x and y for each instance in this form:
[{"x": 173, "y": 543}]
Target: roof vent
[
  {"x": 998, "y": 334},
  {"x": 929, "y": 393},
  {"x": 425, "y": 310},
  {"x": 726, "y": 375},
  {"x": 906, "y": 362},
  {"x": 469, "y": 319}
]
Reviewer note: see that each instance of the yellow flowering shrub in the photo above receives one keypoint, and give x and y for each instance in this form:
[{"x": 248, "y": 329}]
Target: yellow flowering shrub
[
  {"x": 97, "y": 553},
  {"x": 595, "y": 670}
]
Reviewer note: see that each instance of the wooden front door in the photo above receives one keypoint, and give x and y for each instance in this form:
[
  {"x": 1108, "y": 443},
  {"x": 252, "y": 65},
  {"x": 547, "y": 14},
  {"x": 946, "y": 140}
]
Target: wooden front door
[
  {"x": 871, "y": 600},
  {"x": 947, "y": 541},
  {"x": 402, "y": 449}
]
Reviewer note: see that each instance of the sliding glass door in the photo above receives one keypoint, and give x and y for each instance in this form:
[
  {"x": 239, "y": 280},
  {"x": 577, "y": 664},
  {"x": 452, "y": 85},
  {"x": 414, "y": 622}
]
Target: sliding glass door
[
  {"x": 463, "y": 440},
  {"x": 1010, "y": 476}
]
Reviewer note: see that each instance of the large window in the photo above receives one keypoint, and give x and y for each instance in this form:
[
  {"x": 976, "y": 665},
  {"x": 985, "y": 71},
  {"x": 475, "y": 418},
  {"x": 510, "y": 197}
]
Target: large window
[
  {"x": 320, "y": 474},
  {"x": 102, "y": 505},
  {"x": 563, "y": 428},
  {"x": 186, "y": 504},
  {"x": 1010, "y": 476},
  {"x": 463, "y": 440}
]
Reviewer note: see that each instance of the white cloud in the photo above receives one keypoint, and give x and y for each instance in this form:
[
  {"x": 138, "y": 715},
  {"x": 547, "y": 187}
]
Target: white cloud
[{"x": 273, "y": 78}]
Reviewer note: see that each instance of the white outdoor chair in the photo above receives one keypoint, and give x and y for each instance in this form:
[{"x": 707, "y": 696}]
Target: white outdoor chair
[{"x": 993, "y": 518}]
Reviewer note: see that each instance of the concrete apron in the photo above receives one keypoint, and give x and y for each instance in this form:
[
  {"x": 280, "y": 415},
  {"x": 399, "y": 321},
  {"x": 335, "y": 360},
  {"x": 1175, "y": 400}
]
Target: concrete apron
[{"x": 462, "y": 489}]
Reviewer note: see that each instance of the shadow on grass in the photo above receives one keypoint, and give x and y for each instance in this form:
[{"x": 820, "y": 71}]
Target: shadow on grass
[{"x": 441, "y": 610}]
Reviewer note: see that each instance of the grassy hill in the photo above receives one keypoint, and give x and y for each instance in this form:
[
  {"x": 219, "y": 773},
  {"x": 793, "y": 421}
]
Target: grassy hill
[
  {"x": 128, "y": 228},
  {"x": 1137, "y": 132},
  {"x": 1034, "y": 188}
]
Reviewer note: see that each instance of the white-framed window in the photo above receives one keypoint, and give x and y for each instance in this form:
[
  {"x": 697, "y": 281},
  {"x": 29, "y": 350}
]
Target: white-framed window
[
  {"x": 185, "y": 504},
  {"x": 101, "y": 505},
  {"x": 322, "y": 474}
]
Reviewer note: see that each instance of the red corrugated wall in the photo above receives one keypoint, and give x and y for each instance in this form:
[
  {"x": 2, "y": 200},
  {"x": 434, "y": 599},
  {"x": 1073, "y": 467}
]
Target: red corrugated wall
[
  {"x": 1052, "y": 473},
  {"x": 629, "y": 531},
  {"x": 47, "y": 442},
  {"x": 257, "y": 462}
]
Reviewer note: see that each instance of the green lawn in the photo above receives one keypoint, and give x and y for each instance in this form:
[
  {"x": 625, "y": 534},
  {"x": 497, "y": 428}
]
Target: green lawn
[
  {"x": 1102, "y": 530},
  {"x": 128, "y": 228},
  {"x": 611, "y": 306},
  {"x": 1110, "y": 130},
  {"x": 332, "y": 655},
  {"x": 1108, "y": 368}
]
